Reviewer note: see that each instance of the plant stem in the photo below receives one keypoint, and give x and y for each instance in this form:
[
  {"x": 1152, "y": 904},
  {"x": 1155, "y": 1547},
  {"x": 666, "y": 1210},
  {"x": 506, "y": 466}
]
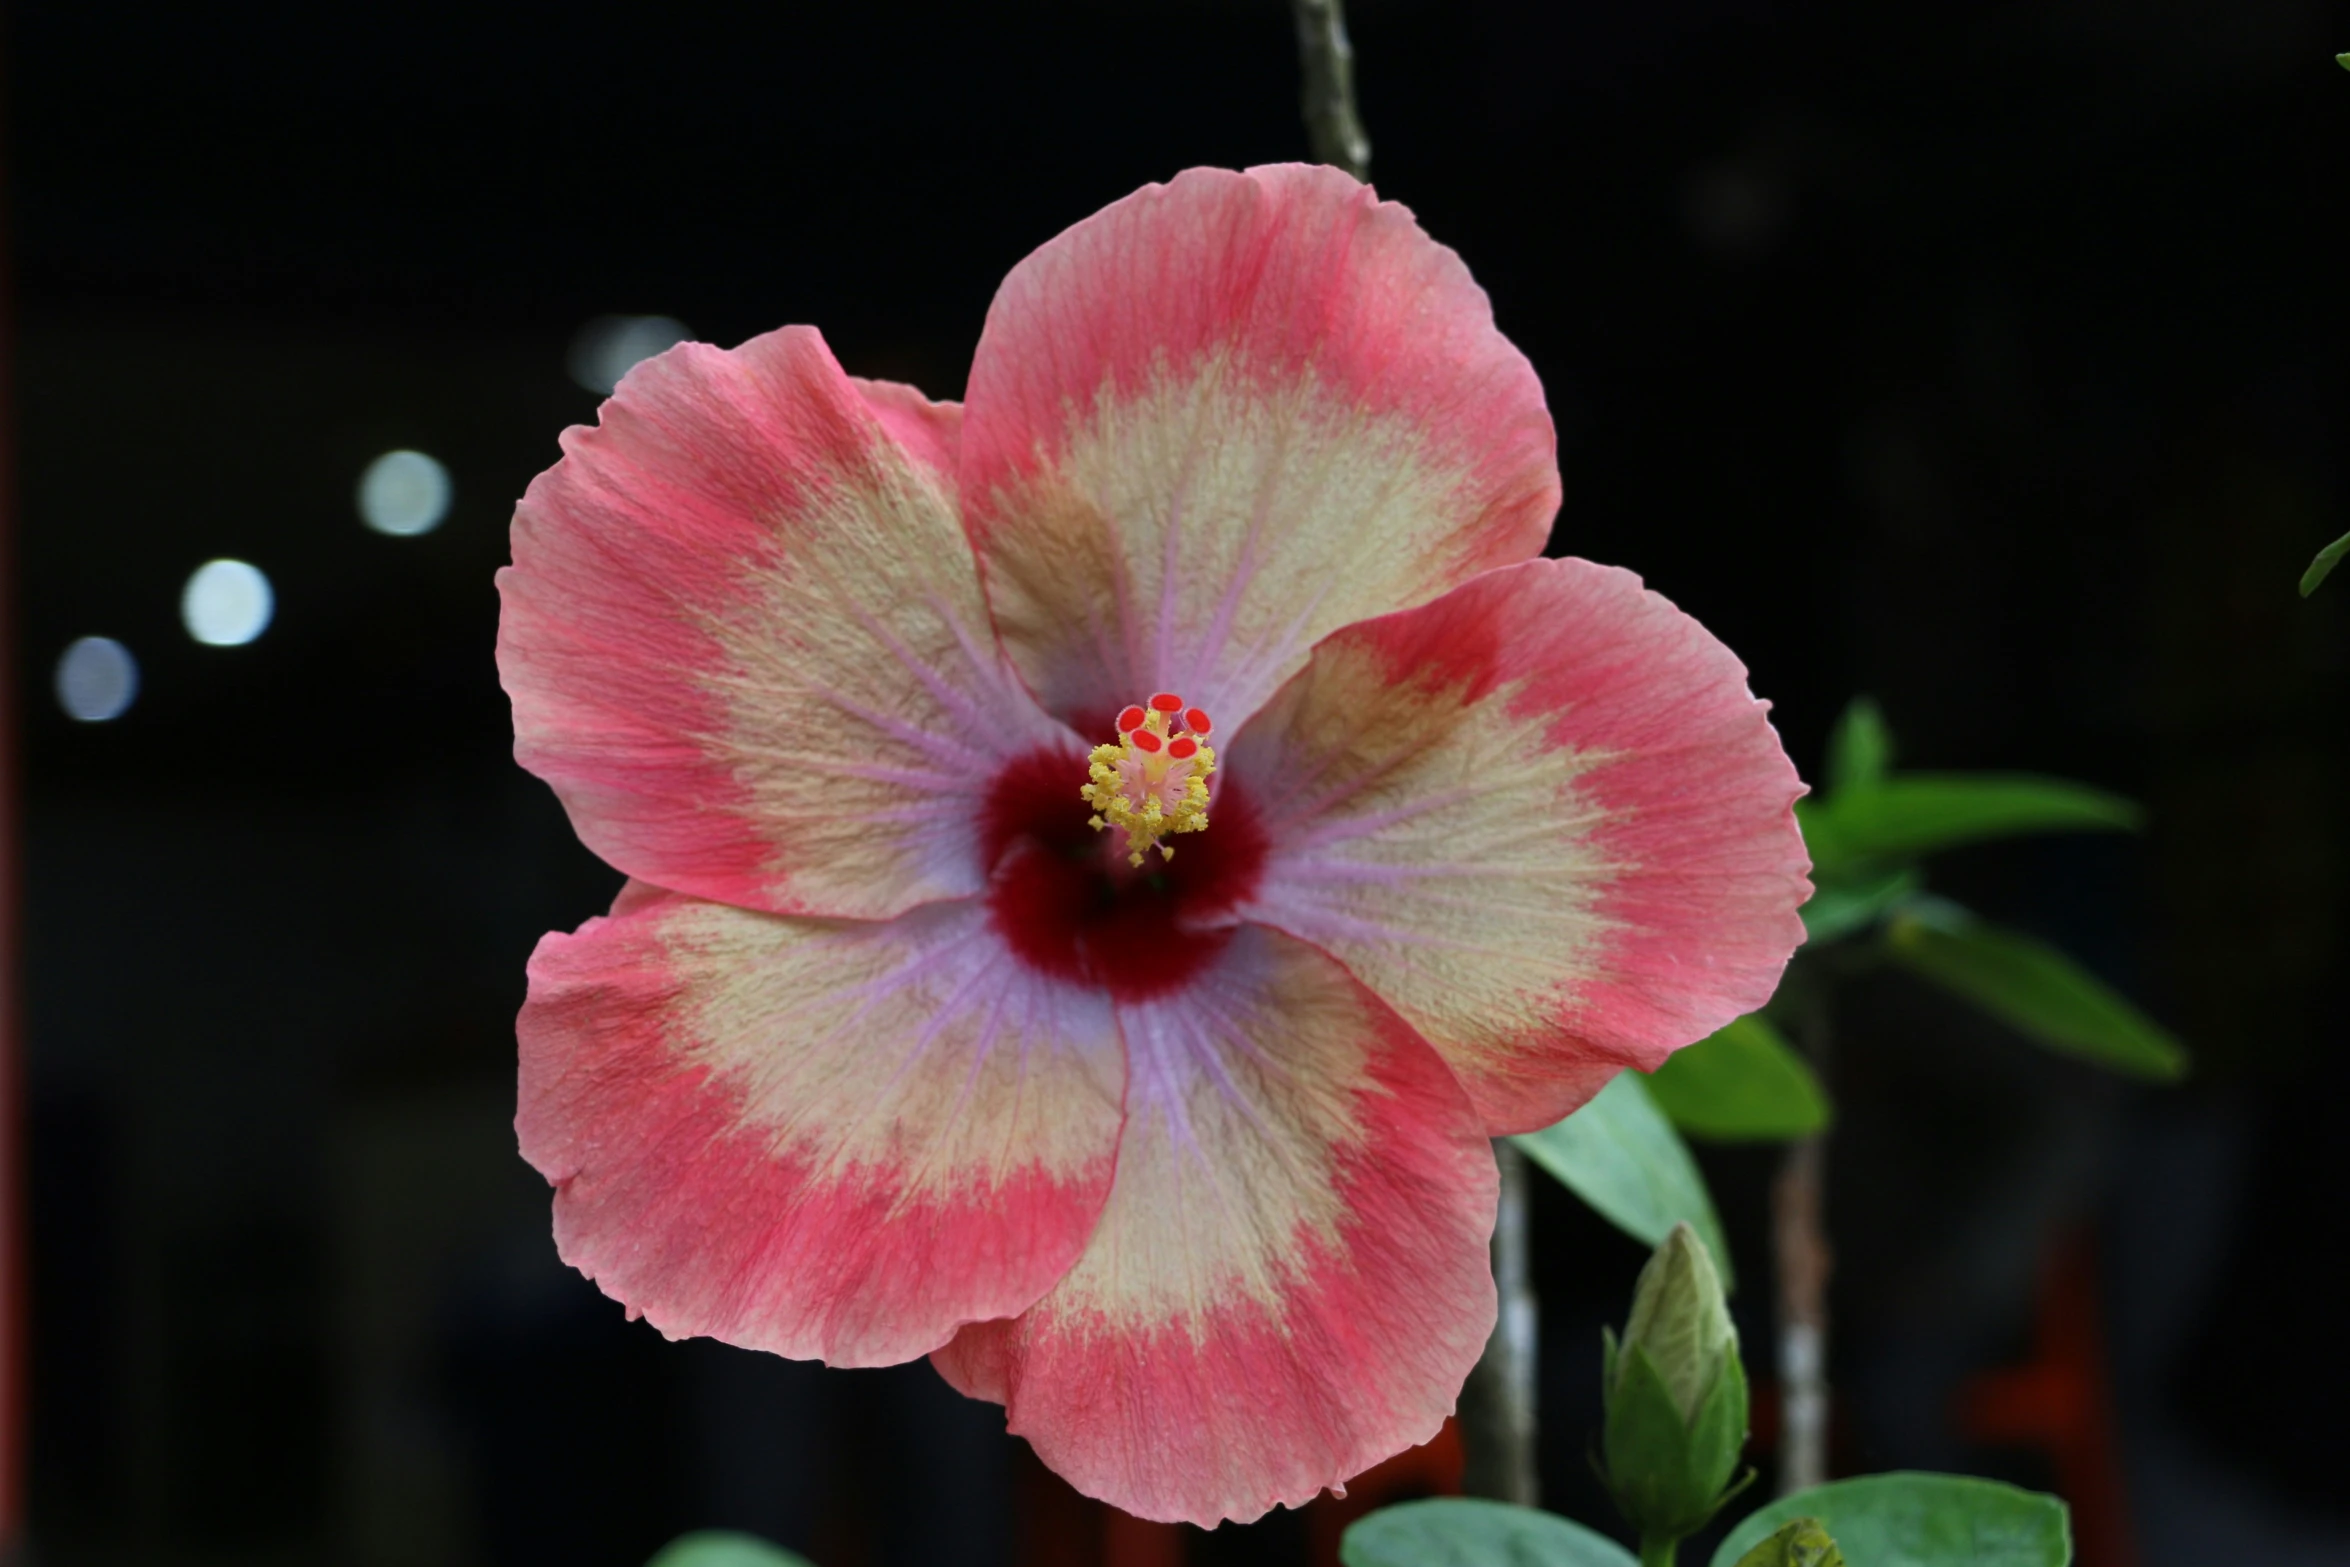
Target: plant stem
[
  {"x": 1497, "y": 1404},
  {"x": 1332, "y": 125},
  {"x": 1799, "y": 1245},
  {"x": 1657, "y": 1552}
]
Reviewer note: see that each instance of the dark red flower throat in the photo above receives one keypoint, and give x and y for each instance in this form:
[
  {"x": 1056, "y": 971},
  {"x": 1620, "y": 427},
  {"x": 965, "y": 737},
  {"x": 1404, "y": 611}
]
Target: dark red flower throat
[{"x": 1066, "y": 902}]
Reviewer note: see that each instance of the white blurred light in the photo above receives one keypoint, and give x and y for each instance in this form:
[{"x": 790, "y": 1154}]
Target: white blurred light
[
  {"x": 96, "y": 679},
  {"x": 404, "y": 494},
  {"x": 605, "y": 348},
  {"x": 226, "y": 603}
]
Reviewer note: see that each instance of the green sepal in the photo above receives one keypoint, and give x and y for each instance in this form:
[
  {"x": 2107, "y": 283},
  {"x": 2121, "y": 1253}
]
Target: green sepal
[
  {"x": 1800, "y": 1543},
  {"x": 1648, "y": 1450},
  {"x": 1718, "y": 1435}
]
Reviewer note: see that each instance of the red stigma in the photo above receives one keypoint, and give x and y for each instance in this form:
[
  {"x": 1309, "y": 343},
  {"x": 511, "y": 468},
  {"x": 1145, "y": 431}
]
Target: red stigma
[
  {"x": 1167, "y": 702},
  {"x": 1198, "y": 722},
  {"x": 1131, "y": 720},
  {"x": 1144, "y": 740},
  {"x": 1182, "y": 746}
]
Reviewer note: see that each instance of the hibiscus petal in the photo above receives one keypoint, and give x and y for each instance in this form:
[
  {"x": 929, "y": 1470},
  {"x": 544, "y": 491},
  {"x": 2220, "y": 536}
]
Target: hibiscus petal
[
  {"x": 1290, "y": 1281},
  {"x": 1543, "y": 818},
  {"x": 828, "y": 1140},
  {"x": 745, "y": 639},
  {"x": 1228, "y": 415}
]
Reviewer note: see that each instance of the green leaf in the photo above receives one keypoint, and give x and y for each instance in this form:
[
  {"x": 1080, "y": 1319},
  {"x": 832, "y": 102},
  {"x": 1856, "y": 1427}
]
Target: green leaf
[
  {"x": 1619, "y": 1154},
  {"x": 1910, "y": 814},
  {"x": 2036, "y": 989},
  {"x": 1742, "y": 1084},
  {"x": 1459, "y": 1531},
  {"x": 2343, "y": 60},
  {"x": 1861, "y": 748},
  {"x": 1920, "y": 1520},
  {"x": 2331, "y": 556},
  {"x": 1838, "y": 909},
  {"x": 724, "y": 1548}
]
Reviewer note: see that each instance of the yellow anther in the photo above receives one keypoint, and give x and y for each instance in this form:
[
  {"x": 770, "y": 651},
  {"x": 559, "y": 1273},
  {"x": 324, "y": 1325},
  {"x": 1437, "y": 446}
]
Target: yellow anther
[{"x": 1153, "y": 782}]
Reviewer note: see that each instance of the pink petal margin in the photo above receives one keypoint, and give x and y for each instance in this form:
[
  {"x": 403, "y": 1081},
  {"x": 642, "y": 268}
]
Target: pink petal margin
[
  {"x": 831, "y": 1141},
  {"x": 1290, "y": 1281},
  {"x": 1225, "y": 416},
  {"x": 1543, "y": 818},
  {"x": 745, "y": 639}
]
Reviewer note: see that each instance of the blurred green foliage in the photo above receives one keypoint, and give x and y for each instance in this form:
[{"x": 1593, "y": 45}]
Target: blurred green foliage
[
  {"x": 1459, "y": 1531},
  {"x": 2327, "y": 559},
  {"x": 723, "y": 1548},
  {"x": 1743, "y": 1084},
  {"x": 2033, "y": 988}
]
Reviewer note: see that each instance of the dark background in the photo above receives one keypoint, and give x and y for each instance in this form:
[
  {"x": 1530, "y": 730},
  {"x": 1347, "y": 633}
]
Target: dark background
[{"x": 1983, "y": 356}]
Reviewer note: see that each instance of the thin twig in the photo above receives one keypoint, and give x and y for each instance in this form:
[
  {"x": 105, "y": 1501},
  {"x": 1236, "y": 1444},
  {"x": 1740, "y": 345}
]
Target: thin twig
[
  {"x": 1799, "y": 1245},
  {"x": 1497, "y": 1405},
  {"x": 1332, "y": 125}
]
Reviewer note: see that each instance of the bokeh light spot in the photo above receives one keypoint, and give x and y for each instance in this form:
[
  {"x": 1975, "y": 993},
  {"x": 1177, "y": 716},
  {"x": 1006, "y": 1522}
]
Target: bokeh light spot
[
  {"x": 605, "y": 348},
  {"x": 403, "y": 494},
  {"x": 96, "y": 679},
  {"x": 226, "y": 603}
]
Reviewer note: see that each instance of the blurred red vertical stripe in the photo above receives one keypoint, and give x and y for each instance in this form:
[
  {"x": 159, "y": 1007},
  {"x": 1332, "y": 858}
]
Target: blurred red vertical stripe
[{"x": 2060, "y": 1403}]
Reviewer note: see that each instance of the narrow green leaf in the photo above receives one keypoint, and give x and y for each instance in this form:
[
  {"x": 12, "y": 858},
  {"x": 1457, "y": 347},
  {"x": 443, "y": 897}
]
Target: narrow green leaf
[
  {"x": 2035, "y": 988},
  {"x": 1620, "y": 1155},
  {"x": 1861, "y": 748},
  {"x": 1839, "y": 909},
  {"x": 1916, "y": 813},
  {"x": 724, "y": 1548},
  {"x": 1907, "y": 1519},
  {"x": 1742, "y": 1084},
  {"x": 2331, "y": 556},
  {"x": 1460, "y": 1531}
]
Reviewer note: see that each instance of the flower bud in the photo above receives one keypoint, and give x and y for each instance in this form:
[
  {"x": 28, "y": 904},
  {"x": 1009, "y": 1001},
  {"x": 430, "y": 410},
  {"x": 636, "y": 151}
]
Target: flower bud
[
  {"x": 1681, "y": 1319},
  {"x": 1800, "y": 1542},
  {"x": 1676, "y": 1394}
]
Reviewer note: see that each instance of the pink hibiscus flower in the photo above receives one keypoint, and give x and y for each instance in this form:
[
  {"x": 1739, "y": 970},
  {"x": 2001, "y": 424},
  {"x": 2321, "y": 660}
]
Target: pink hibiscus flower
[{"x": 890, "y": 1048}]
